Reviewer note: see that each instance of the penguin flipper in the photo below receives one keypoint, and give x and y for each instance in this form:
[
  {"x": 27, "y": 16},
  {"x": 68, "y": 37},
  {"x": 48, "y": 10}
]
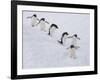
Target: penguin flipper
[
  {"x": 59, "y": 42},
  {"x": 49, "y": 34}
]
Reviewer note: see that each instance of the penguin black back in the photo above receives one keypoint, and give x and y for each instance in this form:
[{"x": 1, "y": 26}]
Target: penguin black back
[
  {"x": 42, "y": 19},
  {"x": 52, "y": 25},
  {"x": 65, "y": 33}
]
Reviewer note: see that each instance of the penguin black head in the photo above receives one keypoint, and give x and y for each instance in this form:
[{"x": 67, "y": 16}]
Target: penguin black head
[
  {"x": 65, "y": 33},
  {"x": 42, "y": 19},
  {"x": 54, "y": 25},
  {"x": 75, "y": 35},
  {"x": 72, "y": 46},
  {"x": 34, "y": 15}
]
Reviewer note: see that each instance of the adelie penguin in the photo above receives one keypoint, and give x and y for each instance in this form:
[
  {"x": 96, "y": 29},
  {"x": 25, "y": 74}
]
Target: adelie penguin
[
  {"x": 42, "y": 22},
  {"x": 34, "y": 20},
  {"x": 63, "y": 38},
  {"x": 74, "y": 39},
  {"x": 52, "y": 29},
  {"x": 72, "y": 51}
]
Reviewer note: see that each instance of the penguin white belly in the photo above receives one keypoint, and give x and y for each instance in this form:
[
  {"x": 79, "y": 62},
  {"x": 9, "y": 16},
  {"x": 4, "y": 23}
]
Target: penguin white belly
[
  {"x": 65, "y": 40},
  {"x": 74, "y": 41},
  {"x": 42, "y": 26},
  {"x": 52, "y": 31},
  {"x": 68, "y": 42},
  {"x": 72, "y": 53},
  {"x": 34, "y": 21}
]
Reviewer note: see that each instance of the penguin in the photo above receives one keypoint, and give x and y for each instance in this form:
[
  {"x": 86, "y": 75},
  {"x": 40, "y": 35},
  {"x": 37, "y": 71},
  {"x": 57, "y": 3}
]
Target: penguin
[
  {"x": 72, "y": 51},
  {"x": 74, "y": 39},
  {"x": 34, "y": 20},
  {"x": 52, "y": 29},
  {"x": 42, "y": 22},
  {"x": 63, "y": 38}
]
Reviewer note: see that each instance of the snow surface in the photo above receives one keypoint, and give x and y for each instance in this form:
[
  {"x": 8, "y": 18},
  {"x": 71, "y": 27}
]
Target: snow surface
[{"x": 43, "y": 51}]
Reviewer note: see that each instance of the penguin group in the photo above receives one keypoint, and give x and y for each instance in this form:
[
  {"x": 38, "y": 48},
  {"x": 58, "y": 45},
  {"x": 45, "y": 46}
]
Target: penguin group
[{"x": 35, "y": 21}]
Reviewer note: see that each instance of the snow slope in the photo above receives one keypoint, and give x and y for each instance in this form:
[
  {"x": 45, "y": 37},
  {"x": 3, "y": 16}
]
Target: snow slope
[{"x": 43, "y": 51}]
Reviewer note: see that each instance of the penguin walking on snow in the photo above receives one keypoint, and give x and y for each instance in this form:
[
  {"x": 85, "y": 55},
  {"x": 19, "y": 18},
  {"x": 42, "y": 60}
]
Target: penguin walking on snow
[
  {"x": 42, "y": 22},
  {"x": 74, "y": 39},
  {"x": 34, "y": 20},
  {"x": 72, "y": 51},
  {"x": 63, "y": 38},
  {"x": 52, "y": 29}
]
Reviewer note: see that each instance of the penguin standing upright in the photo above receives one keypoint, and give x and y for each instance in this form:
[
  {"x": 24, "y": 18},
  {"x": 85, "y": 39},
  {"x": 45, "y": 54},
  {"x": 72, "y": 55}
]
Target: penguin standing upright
[
  {"x": 52, "y": 29},
  {"x": 72, "y": 51},
  {"x": 42, "y": 24},
  {"x": 74, "y": 39},
  {"x": 63, "y": 38},
  {"x": 34, "y": 20}
]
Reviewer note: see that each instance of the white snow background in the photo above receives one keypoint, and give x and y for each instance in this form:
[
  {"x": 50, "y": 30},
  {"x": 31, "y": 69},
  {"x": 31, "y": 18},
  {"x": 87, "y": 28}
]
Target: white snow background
[{"x": 43, "y": 51}]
